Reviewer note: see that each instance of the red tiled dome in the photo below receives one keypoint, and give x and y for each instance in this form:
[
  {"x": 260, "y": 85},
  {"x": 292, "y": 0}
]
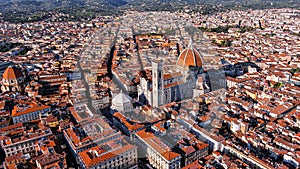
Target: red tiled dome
[
  {"x": 12, "y": 72},
  {"x": 190, "y": 57}
]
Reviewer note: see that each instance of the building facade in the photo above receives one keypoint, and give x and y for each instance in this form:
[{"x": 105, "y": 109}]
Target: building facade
[
  {"x": 100, "y": 157},
  {"x": 27, "y": 143},
  {"x": 186, "y": 81},
  {"x": 29, "y": 112},
  {"x": 159, "y": 155}
]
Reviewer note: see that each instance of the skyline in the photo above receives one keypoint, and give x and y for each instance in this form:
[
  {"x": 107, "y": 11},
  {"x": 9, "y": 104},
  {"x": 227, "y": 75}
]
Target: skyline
[{"x": 151, "y": 89}]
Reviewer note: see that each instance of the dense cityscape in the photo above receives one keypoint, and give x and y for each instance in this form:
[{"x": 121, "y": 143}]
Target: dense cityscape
[{"x": 152, "y": 89}]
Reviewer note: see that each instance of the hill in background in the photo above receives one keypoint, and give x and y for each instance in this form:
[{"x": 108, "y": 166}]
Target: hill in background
[{"x": 35, "y": 10}]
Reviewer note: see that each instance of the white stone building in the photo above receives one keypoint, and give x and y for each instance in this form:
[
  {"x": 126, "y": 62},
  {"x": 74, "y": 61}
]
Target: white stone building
[
  {"x": 183, "y": 83},
  {"x": 122, "y": 102}
]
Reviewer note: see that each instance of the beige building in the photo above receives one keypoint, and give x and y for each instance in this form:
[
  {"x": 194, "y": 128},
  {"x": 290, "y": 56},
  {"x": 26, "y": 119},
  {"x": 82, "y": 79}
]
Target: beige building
[
  {"x": 158, "y": 153},
  {"x": 26, "y": 113},
  {"x": 113, "y": 154},
  {"x": 23, "y": 141}
]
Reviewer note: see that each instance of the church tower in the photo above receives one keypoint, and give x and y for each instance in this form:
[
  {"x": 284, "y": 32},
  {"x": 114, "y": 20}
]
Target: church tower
[{"x": 157, "y": 82}]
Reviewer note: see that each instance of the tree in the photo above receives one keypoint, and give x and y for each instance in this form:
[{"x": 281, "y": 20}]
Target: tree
[{"x": 225, "y": 43}]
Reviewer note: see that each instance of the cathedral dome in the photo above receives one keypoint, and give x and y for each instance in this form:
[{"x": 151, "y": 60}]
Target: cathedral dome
[
  {"x": 190, "y": 57},
  {"x": 12, "y": 72}
]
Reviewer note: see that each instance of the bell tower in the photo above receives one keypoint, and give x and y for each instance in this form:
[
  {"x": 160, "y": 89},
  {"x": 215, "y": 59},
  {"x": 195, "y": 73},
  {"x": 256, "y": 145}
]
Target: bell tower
[{"x": 157, "y": 82}]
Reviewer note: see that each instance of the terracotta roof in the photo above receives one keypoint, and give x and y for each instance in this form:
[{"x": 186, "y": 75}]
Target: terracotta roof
[
  {"x": 12, "y": 166},
  {"x": 193, "y": 165},
  {"x": 212, "y": 135},
  {"x": 11, "y": 127},
  {"x": 157, "y": 144},
  {"x": 169, "y": 155},
  {"x": 123, "y": 120},
  {"x": 188, "y": 149},
  {"x": 90, "y": 161},
  {"x": 51, "y": 119},
  {"x": 49, "y": 159},
  {"x": 190, "y": 57},
  {"x": 160, "y": 126},
  {"x": 2, "y": 104},
  {"x": 12, "y": 72},
  {"x": 16, "y": 112},
  {"x": 73, "y": 136},
  {"x": 15, "y": 157},
  {"x": 172, "y": 75}
]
